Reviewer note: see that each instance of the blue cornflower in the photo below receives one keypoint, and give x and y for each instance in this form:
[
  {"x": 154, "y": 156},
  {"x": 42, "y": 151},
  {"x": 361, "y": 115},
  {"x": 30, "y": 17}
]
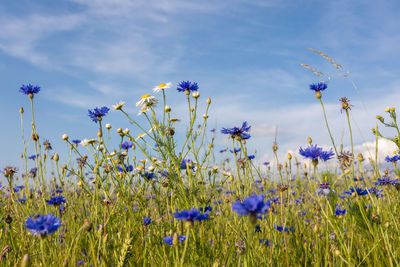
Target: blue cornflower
[
  {"x": 22, "y": 199},
  {"x": 314, "y": 152},
  {"x": 206, "y": 208},
  {"x": 125, "y": 168},
  {"x": 287, "y": 229},
  {"x": 33, "y": 156},
  {"x": 318, "y": 86},
  {"x": 265, "y": 242},
  {"x": 169, "y": 239},
  {"x": 186, "y": 85},
  {"x": 147, "y": 175},
  {"x": 55, "y": 201},
  {"x": 392, "y": 159},
  {"x": 236, "y": 150},
  {"x": 97, "y": 113},
  {"x": 187, "y": 164},
  {"x": 146, "y": 221},
  {"x": 61, "y": 209},
  {"x": 251, "y": 157},
  {"x": 252, "y": 205},
  {"x": 42, "y": 225},
  {"x": 339, "y": 212},
  {"x": 126, "y": 145},
  {"x": 357, "y": 190},
  {"x": 79, "y": 263},
  {"x": 376, "y": 192},
  {"x": 29, "y": 89},
  {"x": 386, "y": 181},
  {"x": 76, "y": 141},
  {"x": 18, "y": 188},
  {"x": 191, "y": 215},
  {"x": 238, "y": 133}
]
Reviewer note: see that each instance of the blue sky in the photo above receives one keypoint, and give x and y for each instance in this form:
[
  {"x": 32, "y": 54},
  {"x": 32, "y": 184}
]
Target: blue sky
[{"x": 244, "y": 54}]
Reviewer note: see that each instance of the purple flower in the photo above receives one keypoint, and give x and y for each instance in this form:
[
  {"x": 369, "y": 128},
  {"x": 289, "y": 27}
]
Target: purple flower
[
  {"x": 169, "y": 239},
  {"x": 191, "y": 215},
  {"x": 252, "y": 205},
  {"x": 42, "y": 225},
  {"x": 238, "y": 133},
  {"x": 97, "y": 113},
  {"x": 318, "y": 86},
  {"x": 56, "y": 201},
  {"x": 29, "y": 89},
  {"x": 186, "y": 85}
]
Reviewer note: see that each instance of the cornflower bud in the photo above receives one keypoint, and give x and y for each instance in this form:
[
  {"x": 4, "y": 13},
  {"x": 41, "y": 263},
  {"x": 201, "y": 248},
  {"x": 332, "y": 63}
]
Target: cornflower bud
[{"x": 65, "y": 137}]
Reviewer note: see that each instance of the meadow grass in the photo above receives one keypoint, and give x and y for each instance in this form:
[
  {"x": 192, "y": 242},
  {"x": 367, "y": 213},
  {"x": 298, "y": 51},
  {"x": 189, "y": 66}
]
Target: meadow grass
[{"x": 157, "y": 201}]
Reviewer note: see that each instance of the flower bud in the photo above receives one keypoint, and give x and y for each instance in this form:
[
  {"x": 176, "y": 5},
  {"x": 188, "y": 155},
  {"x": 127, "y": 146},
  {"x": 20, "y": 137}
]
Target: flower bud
[
  {"x": 205, "y": 116},
  {"x": 119, "y": 130},
  {"x": 309, "y": 140},
  {"x": 21, "y": 110},
  {"x": 126, "y": 131},
  {"x": 65, "y": 137},
  {"x": 87, "y": 225},
  {"x": 208, "y": 101},
  {"x": 387, "y": 109},
  {"x": 26, "y": 261},
  {"x": 196, "y": 95},
  {"x": 35, "y": 137},
  {"x": 318, "y": 94},
  {"x": 289, "y": 156},
  {"x": 167, "y": 109},
  {"x": 108, "y": 126},
  {"x": 56, "y": 157}
]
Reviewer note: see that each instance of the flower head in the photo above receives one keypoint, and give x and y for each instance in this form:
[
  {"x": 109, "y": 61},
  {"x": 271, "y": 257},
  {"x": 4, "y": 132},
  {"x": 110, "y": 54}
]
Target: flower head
[
  {"x": 147, "y": 101},
  {"x": 187, "y": 86},
  {"x": 56, "y": 201},
  {"x": 357, "y": 190},
  {"x": 41, "y": 225},
  {"x": 386, "y": 181},
  {"x": 339, "y": 212},
  {"x": 126, "y": 145},
  {"x": 392, "y": 159},
  {"x": 119, "y": 105},
  {"x": 97, "y": 114},
  {"x": 187, "y": 164},
  {"x": 169, "y": 239},
  {"x": 238, "y": 133},
  {"x": 252, "y": 205},
  {"x": 314, "y": 152},
  {"x": 191, "y": 215},
  {"x": 318, "y": 86},
  {"x": 29, "y": 89},
  {"x": 162, "y": 86}
]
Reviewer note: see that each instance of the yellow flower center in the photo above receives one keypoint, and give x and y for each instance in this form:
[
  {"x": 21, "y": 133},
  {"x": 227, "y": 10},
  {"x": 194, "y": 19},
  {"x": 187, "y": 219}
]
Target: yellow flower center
[
  {"x": 145, "y": 96},
  {"x": 162, "y": 85}
]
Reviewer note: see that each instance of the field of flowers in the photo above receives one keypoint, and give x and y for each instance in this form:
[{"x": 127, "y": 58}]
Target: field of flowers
[{"x": 157, "y": 201}]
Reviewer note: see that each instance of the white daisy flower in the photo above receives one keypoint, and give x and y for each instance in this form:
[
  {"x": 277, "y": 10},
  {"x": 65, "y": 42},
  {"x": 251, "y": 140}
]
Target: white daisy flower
[
  {"x": 119, "y": 105},
  {"x": 162, "y": 86},
  {"x": 147, "y": 101}
]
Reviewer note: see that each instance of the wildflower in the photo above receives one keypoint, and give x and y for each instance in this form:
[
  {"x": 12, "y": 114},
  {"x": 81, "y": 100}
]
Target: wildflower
[
  {"x": 76, "y": 141},
  {"x": 125, "y": 168},
  {"x": 357, "y": 190},
  {"x": 324, "y": 189},
  {"x": 126, "y": 145},
  {"x": 86, "y": 142},
  {"x": 82, "y": 161},
  {"x": 286, "y": 229},
  {"x": 238, "y": 133},
  {"x": 191, "y": 215},
  {"x": 187, "y": 87},
  {"x": 392, "y": 159},
  {"x": 56, "y": 201},
  {"x": 314, "y": 153},
  {"x": 29, "y": 90},
  {"x": 42, "y": 225},
  {"x": 265, "y": 242},
  {"x": 32, "y": 173},
  {"x": 169, "y": 239},
  {"x": 140, "y": 136},
  {"x": 345, "y": 103},
  {"x": 386, "y": 181},
  {"x": 119, "y": 105},
  {"x": 318, "y": 87},
  {"x": 144, "y": 110},
  {"x": 47, "y": 145},
  {"x": 33, "y": 156},
  {"x": 252, "y": 206},
  {"x": 9, "y": 171},
  {"x": 235, "y": 151},
  {"x": 345, "y": 159},
  {"x": 339, "y": 212},
  {"x": 161, "y": 86},
  {"x": 97, "y": 113},
  {"x": 187, "y": 164},
  {"x": 147, "y": 101},
  {"x": 148, "y": 175},
  {"x": 146, "y": 221},
  {"x": 64, "y": 137}
]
